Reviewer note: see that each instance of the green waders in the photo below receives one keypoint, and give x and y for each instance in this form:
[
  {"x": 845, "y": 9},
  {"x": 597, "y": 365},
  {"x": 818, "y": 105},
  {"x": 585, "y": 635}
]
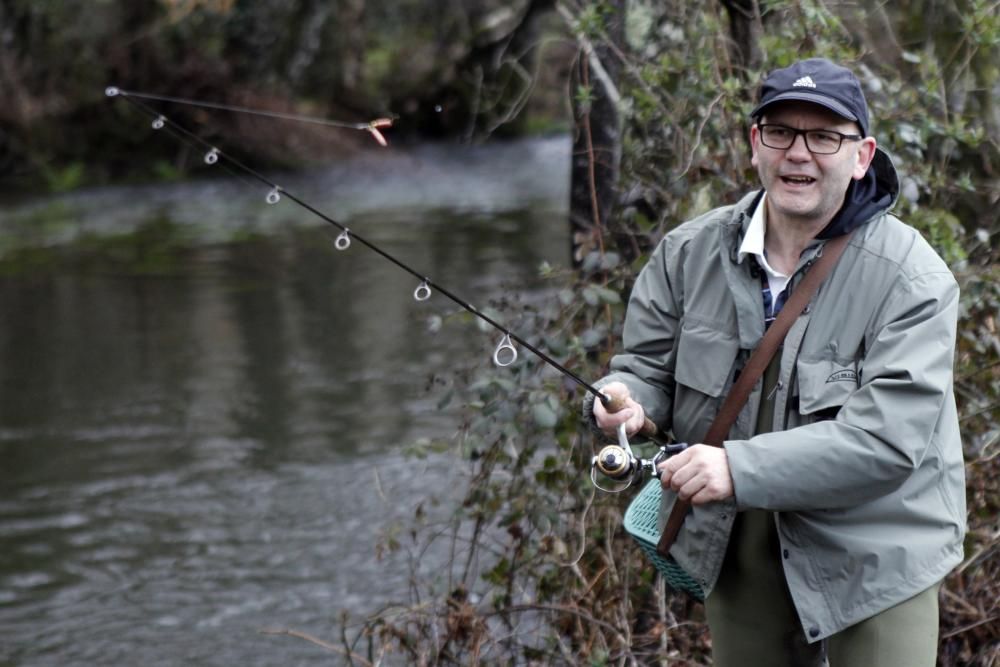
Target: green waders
[{"x": 753, "y": 620}]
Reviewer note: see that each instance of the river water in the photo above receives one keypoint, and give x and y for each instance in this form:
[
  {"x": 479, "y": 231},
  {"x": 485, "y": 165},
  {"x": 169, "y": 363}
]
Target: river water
[{"x": 193, "y": 452}]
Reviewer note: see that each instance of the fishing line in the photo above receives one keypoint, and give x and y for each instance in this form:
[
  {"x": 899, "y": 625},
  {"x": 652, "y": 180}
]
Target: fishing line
[
  {"x": 505, "y": 353},
  {"x": 371, "y": 126}
]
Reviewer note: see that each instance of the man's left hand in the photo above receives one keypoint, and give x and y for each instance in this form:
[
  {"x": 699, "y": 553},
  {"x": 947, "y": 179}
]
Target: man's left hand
[{"x": 699, "y": 474}]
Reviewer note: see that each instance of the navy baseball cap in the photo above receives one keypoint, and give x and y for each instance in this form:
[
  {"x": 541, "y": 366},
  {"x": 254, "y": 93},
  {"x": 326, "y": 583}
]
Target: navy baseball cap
[{"x": 819, "y": 81}]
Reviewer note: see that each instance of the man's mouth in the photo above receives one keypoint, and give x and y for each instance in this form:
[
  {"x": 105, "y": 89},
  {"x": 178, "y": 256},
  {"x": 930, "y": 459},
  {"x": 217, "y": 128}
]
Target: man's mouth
[{"x": 798, "y": 180}]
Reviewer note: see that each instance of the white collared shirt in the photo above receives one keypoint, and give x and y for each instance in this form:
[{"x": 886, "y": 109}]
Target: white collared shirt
[{"x": 753, "y": 244}]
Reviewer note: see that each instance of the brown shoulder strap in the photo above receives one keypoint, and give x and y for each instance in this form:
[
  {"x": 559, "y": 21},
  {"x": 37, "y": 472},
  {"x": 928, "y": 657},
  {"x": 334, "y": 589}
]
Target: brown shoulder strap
[{"x": 758, "y": 362}]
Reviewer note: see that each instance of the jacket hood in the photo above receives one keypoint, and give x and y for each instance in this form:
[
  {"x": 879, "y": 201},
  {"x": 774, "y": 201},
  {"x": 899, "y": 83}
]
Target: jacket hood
[{"x": 874, "y": 193}]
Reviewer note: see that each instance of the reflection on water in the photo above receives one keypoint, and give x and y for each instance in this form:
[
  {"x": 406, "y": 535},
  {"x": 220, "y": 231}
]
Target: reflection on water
[{"x": 189, "y": 457}]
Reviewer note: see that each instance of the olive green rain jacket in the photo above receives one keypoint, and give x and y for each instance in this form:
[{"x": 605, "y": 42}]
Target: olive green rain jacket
[{"x": 864, "y": 469}]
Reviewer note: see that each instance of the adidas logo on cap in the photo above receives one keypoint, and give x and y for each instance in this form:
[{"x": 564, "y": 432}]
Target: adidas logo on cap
[{"x": 805, "y": 81}]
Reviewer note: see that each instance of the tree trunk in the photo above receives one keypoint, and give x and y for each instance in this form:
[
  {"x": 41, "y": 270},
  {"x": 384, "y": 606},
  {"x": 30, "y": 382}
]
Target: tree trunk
[
  {"x": 746, "y": 26},
  {"x": 596, "y": 139}
]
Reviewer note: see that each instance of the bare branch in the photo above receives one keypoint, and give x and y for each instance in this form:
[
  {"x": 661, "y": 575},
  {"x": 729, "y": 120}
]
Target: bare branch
[{"x": 314, "y": 640}]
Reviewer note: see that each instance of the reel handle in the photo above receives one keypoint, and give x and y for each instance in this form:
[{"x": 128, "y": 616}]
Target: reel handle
[{"x": 617, "y": 404}]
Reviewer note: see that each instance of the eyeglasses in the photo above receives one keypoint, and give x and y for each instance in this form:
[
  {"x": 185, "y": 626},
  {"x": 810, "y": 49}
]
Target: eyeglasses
[{"x": 820, "y": 142}]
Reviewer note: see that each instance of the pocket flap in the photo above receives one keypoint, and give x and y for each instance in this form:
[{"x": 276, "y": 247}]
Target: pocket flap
[
  {"x": 705, "y": 357},
  {"x": 824, "y": 384}
]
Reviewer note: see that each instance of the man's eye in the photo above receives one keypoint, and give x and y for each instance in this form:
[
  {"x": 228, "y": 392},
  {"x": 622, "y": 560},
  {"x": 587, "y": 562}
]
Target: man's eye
[
  {"x": 823, "y": 137},
  {"x": 779, "y": 132}
]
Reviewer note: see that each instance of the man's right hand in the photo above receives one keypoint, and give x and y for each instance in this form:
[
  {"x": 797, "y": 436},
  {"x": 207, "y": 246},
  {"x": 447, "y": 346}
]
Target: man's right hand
[{"x": 632, "y": 415}]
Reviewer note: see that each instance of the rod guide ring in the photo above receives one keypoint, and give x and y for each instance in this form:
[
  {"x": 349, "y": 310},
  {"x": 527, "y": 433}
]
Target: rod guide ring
[
  {"x": 506, "y": 353},
  {"x": 423, "y": 292}
]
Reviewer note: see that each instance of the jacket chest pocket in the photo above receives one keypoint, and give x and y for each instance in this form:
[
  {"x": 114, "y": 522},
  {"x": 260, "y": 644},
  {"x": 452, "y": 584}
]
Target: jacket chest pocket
[
  {"x": 705, "y": 357},
  {"x": 824, "y": 385}
]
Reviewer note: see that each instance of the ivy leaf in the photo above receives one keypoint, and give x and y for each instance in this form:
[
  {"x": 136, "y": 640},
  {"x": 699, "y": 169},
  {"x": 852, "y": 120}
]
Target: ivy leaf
[
  {"x": 590, "y": 338},
  {"x": 608, "y": 295},
  {"x": 544, "y": 415}
]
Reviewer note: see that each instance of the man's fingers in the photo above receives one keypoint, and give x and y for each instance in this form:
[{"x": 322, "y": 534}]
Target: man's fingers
[
  {"x": 699, "y": 475},
  {"x": 622, "y": 417},
  {"x": 631, "y": 414},
  {"x": 704, "y": 495},
  {"x": 638, "y": 418},
  {"x": 688, "y": 490},
  {"x": 683, "y": 477},
  {"x": 669, "y": 467},
  {"x": 605, "y": 418},
  {"x": 676, "y": 462},
  {"x": 712, "y": 490}
]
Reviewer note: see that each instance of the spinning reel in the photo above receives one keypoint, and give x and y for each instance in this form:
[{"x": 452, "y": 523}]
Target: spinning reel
[{"x": 619, "y": 463}]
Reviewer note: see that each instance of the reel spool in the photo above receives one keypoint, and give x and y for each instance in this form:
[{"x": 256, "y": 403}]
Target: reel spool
[
  {"x": 615, "y": 463},
  {"x": 619, "y": 463}
]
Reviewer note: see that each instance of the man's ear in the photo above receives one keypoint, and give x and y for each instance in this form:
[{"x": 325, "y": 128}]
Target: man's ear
[
  {"x": 866, "y": 153},
  {"x": 754, "y": 143}
]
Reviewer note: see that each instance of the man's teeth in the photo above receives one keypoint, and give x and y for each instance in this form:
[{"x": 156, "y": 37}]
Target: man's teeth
[{"x": 799, "y": 179}]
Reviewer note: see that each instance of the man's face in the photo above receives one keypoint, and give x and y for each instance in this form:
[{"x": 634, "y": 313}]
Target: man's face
[{"x": 802, "y": 187}]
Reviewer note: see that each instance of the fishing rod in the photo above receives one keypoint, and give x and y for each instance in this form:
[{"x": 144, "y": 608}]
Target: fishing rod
[
  {"x": 616, "y": 461},
  {"x": 505, "y": 353}
]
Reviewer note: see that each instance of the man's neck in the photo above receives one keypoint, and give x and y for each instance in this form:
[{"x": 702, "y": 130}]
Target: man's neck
[{"x": 786, "y": 239}]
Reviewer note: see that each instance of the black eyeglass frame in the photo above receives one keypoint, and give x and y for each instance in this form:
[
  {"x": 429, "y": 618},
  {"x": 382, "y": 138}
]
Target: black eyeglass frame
[{"x": 805, "y": 137}]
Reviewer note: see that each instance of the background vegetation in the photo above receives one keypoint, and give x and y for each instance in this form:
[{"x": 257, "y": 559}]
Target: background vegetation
[
  {"x": 542, "y": 571},
  {"x": 441, "y": 69}
]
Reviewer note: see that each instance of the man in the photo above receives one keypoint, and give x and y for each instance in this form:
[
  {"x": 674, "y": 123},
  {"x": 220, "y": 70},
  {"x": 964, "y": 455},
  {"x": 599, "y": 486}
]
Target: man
[{"x": 823, "y": 527}]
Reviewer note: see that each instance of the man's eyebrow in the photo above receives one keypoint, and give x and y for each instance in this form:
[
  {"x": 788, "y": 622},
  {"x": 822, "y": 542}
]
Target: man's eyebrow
[{"x": 764, "y": 121}]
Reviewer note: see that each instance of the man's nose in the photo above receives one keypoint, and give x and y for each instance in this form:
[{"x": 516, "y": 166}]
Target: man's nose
[{"x": 798, "y": 150}]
